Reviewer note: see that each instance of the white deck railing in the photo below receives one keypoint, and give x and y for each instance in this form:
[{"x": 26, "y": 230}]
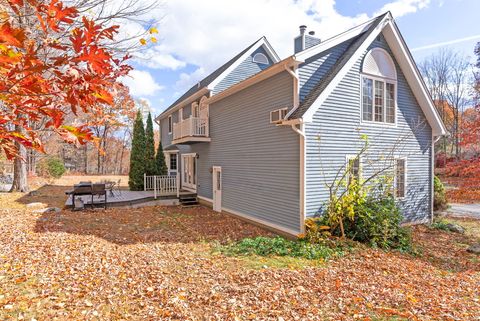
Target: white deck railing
[
  {"x": 162, "y": 185},
  {"x": 193, "y": 126}
]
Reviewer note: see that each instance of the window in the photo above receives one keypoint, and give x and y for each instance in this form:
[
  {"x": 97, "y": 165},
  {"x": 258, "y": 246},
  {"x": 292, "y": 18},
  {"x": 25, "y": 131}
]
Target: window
[
  {"x": 278, "y": 115},
  {"x": 170, "y": 124},
  {"x": 353, "y": 168},
  {"x": 400, "y": 177},
  {"x": 378, "y": 103},
  {"x": 195, "y": 109},
  {"x": 260, "y": 58},
  {"x": 173, "y": 162},
  {"x": 378, "y": 87},
  {"x": 367, "y": 99}
]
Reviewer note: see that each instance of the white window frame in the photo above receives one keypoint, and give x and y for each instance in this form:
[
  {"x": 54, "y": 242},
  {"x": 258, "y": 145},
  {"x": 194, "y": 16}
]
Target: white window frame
[
  {"x": 262, "y": 55},
  {"x": 170, "y": 124},
  {"x": 282, "y": 112},
  {"x": 347, "y": 163},
  {"x": 195, "y": 112},
  {"x": 396, "y": 178},
  {"x": 385, "y": 81}
]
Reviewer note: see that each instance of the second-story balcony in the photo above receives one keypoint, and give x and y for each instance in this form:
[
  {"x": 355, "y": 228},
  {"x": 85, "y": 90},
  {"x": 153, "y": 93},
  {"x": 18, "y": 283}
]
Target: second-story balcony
[{"x": 191, "y": 130}]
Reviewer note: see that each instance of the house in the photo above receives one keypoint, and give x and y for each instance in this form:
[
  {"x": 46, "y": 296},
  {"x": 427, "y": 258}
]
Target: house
[{"x": 260, "y": 137}]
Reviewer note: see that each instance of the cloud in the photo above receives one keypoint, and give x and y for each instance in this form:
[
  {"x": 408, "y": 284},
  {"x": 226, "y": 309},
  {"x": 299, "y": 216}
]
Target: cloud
[
  {"x": 186, "y": 80},
  {"x": 155, "y": 59},
  {"x": 402, "y": 7},
  {"x": 141, "y": 83},
  {"x": 206, "y": 34}
]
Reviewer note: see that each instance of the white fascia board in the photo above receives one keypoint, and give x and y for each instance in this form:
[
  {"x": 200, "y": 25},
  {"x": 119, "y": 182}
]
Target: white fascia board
[
  {"x": 414, "y": 78},
  {"x": 261, "y": 42},
  {"x": 308, "y": 115},
  {"x": 332, "y": 42}
]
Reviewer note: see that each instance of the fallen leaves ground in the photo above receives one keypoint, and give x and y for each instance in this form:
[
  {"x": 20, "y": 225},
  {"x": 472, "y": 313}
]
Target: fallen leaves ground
[{"x": 159, "y": 263}]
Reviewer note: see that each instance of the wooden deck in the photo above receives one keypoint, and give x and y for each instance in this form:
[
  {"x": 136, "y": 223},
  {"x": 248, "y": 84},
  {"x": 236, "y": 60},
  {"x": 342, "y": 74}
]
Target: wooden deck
[{"x": 128, "y": 198}]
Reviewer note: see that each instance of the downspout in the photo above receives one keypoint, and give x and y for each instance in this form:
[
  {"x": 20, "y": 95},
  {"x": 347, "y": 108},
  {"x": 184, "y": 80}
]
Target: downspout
[{"x": 301, "y": 133}]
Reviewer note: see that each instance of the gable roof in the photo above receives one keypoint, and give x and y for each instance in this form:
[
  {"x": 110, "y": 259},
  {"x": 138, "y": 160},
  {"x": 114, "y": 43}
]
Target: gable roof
[
  {"x": 363, "y": 37},
  {"x": 219, "y": 73},
  {"x": 330, "y": 75}
]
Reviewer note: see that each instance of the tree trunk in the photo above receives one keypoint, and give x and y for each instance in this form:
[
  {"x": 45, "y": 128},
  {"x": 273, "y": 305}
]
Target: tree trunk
[
  {"x": 86, "y": 159},
  {"x": 20, "y": 183}
]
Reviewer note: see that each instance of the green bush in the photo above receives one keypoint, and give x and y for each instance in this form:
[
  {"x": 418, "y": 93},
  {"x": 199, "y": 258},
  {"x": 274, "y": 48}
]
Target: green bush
[
  {"x": 51, "y": 167},
  {"x": 440, "y": 199},
  {"x": 376, "y": 222},
  {"x": 278, "y": 246}
]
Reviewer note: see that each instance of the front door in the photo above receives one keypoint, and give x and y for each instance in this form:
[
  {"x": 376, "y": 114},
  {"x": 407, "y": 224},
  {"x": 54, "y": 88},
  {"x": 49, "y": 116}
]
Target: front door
[
  {"x": 189, "y": 172},
  {"x": 217, "y": 188}
]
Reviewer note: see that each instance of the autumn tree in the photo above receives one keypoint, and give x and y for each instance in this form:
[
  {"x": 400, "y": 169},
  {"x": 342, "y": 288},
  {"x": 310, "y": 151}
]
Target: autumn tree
[
  {"x": 50, "y": 67},
  {"x": 109, "y": 119},
  {"x": 149, "y": 147},
  {"x": 137, "y": 155}
]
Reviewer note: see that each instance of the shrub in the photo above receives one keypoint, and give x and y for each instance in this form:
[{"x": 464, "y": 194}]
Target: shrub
[
  {"x": 51, "y": 167},
  {"x": 440, "y": 199},
  {"x": 278, "y": 246},
  {"x": 375, "y": 221}
]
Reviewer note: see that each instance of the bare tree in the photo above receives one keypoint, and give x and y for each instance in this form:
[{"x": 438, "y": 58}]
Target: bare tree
[{"x": 447, "y": 74}]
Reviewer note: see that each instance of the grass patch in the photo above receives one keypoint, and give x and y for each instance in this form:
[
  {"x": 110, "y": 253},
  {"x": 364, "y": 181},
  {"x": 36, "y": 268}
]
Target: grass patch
[
  {"x": 280, "y": 262},
  {"x": 280, "y": 247}
]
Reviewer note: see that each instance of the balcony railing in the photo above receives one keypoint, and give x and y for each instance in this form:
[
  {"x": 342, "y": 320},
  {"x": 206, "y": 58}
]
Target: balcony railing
[{"x": 191, "y": 127}]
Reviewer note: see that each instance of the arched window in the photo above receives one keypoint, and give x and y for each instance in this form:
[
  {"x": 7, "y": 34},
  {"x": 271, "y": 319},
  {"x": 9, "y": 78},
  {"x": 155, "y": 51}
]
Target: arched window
[
  {"x": 203, "y": 108},
  {"x": 195, "y": 109},
  {"x": 260, "y": 58},
  {"x": 379, "y": 87}
]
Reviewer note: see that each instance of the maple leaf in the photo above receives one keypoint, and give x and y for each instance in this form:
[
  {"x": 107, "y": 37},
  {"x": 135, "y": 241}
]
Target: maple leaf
[{"x": 11, "y": 36}]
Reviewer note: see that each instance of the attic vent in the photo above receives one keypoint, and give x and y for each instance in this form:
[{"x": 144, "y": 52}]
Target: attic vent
[
  {"x": 260, "y": 58},
  {"x": 278, "y": 115}
]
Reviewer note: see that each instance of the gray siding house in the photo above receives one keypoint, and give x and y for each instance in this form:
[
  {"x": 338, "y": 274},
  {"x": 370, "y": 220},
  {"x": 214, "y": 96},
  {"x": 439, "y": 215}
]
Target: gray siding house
[{"x": 261, "y": 138}]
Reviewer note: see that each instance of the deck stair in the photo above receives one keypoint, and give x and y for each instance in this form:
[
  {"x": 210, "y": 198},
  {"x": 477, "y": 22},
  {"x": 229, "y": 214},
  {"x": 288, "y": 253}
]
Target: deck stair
[{"x": 188, "y": 200}]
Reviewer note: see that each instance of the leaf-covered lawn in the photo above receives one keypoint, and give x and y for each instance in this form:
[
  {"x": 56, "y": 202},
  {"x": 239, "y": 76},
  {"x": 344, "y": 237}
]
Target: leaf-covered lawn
[{"x": 160, "y": 263}]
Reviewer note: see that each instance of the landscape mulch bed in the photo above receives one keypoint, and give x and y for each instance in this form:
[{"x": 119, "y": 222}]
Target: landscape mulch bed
[{"x": 157, "y": 263}]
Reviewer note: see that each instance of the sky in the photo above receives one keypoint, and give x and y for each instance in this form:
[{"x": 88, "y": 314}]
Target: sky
[{"x": 196, "y": 37}]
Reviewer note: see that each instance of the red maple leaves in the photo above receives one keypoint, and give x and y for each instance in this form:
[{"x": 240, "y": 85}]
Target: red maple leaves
[{"x": 52, "y": 65}]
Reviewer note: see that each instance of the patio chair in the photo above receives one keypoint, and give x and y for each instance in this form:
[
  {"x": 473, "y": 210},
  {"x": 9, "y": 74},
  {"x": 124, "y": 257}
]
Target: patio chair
[
  {"x": 116, "y": 187},
  {"x": 99, "y": 190}
]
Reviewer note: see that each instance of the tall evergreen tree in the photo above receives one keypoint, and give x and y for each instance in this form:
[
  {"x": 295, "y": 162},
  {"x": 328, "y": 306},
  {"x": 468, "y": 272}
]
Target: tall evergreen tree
[
  {"x": 150, "y": 166},
  {"x": 160, "y": 165},
  {"x": 137, "y": 155}
]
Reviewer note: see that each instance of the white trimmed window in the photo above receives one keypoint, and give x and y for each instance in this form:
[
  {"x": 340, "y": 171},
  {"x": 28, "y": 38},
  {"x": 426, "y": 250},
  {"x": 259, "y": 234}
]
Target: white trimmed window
[
  {"x": 400, "y": 177},
  {"x": 170, "y": 124},
  {"x": 260, "y": 58},
  {"x": 379, "y": 87}
]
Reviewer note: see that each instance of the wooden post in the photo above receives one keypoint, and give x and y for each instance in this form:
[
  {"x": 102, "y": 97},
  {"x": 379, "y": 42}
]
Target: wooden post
[
  {"x": 178, "y": 185},
  {"x": 144, "y": 181},
  {"x": 155, "y": 187}
]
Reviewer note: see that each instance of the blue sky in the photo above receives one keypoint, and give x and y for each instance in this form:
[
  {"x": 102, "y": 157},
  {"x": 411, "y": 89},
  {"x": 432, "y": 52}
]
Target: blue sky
[{"x": 195, "y": 37}]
